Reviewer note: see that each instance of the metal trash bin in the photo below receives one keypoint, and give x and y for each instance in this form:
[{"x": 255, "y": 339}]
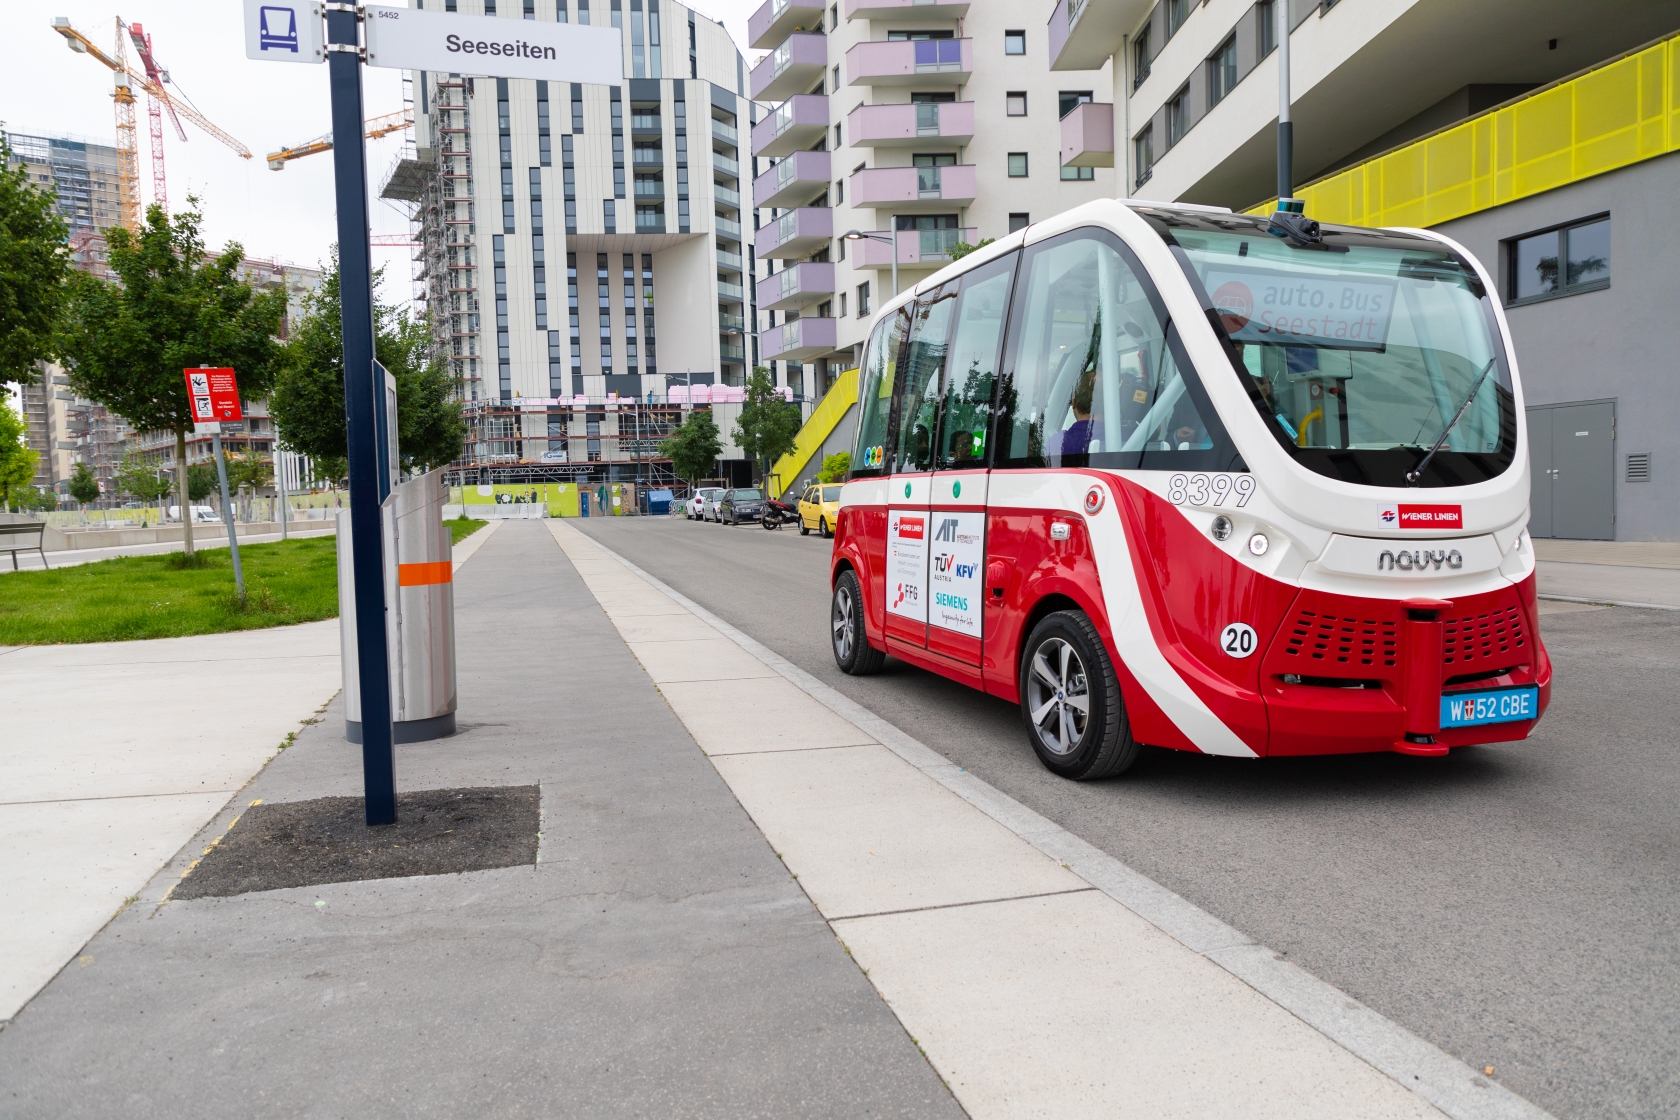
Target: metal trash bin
[{"x": 420, "y": 630}]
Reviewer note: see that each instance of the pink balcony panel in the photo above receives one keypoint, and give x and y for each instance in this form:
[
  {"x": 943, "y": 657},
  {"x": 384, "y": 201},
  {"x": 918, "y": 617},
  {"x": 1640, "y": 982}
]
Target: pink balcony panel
[
  {"x": 794, "y": 181},
  {"x": 906, "y": 9},
  {"x": 916, "y": 248},
  {"x": 796, "y": 286},
  {"x": 797, "y": 233},
  {"x": 911, "y": 189},
  {"x": 792, "y": 126},
  {"x": 1088, "y": 136},
  {"x": 923, "y": 63},
  {"x": 775, "y": 19},
  {"x": 796, "y": 65},
  {"x": 799, "y": 340},
  {"x": 1085, "y": 34},
  {"x": 907, "y": 126}
]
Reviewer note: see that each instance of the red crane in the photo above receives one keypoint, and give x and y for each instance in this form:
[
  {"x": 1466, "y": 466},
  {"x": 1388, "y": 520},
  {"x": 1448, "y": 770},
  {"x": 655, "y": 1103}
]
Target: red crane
[{"x": 155, "y": 110}]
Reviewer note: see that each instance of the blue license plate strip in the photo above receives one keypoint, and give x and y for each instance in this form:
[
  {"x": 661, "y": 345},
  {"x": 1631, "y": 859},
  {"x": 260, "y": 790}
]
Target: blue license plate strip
[{"x": 1498, "y": 705}]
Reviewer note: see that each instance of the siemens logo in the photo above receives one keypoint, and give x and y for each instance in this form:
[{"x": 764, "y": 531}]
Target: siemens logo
[{"x": 955, "y": 602}]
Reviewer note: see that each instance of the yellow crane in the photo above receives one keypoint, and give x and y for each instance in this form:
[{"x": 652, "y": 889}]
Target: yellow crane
[
  {"x": 376, "y": 127},
  {"x": 128, "y": 145}
]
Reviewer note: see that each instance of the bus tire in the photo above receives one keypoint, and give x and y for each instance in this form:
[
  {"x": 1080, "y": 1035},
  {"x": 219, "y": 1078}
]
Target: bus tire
[
  {"x": 847, "y": 635},
  {"x": 1065, "y": 665}
]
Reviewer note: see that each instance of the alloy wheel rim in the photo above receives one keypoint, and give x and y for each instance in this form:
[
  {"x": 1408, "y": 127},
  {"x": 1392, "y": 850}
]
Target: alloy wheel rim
[
  {"x": 1058, "y": 696},
  {"x": 842, "y": 623}
]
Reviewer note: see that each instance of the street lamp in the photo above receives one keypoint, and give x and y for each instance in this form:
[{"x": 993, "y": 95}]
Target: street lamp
[{"x": 859, "y": 235}]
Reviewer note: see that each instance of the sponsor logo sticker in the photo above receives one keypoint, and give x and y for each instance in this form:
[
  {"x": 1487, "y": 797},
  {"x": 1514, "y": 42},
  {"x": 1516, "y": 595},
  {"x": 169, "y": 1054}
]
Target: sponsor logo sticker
[{"x": 1431, "y": 517}]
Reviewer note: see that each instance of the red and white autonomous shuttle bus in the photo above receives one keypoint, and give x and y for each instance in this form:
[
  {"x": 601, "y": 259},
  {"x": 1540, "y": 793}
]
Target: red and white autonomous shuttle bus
[{"x": 1170, "y": 475}]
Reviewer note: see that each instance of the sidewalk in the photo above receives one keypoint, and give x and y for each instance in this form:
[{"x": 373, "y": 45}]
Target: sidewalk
[
  {"x": 657, "y": 960},
  {"x": 1624, "y": 573}
]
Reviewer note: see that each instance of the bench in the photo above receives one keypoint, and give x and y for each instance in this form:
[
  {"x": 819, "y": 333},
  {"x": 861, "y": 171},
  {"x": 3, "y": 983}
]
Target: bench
[{"x": 15, "y": 538}]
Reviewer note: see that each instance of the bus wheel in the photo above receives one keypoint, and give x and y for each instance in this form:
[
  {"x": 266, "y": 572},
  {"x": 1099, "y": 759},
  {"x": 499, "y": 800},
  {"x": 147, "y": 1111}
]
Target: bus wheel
[
  {"x": 1070, "y": 698},
  {"x": 852, "y": 651}
]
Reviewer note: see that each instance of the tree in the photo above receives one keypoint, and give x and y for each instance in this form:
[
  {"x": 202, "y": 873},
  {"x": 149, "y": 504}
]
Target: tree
[
  {"x": 249, "y": 470},
  {"x": 17, "y": 458},
  {"x": 34, "y": 263},
  {"x": 84, "y": 485},
  {"x": 767, "y": 426},
  {"x": 34, "y": 498},
  {"x": 694, "y": 447},
  {"x": 176, "y": 306},
  {"x": 308, "y": 400},
  {"x": 962, "y": 248},
  {"x": 836, "y": 467},
  {"x": 143, "y": 479},
  {"x": 201, "y": 482}
]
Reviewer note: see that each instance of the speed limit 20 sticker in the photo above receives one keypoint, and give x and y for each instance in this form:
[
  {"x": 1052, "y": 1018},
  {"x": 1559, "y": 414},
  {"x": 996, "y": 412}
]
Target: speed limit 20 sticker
[{"x": 1210, "y": 489}]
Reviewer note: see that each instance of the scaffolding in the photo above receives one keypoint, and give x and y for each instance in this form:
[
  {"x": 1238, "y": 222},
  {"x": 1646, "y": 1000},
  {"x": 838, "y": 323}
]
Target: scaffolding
[{"x": 567, "y": 439}]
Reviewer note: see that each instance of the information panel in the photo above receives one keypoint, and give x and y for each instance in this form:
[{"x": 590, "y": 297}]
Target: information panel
[
  {"x": 957, "y": 555},
  {"x": 907, "y": 563}
]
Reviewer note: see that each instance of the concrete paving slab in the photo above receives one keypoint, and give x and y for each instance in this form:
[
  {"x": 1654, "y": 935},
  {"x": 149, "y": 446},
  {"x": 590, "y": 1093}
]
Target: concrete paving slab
[
  {"x": 661, "y": 628},
  {"x": 1071, "y": 1006},
  {"x": 1615, "y": 583},
  {"x": 702, "y": 659},
  {"x": 778, "y": 717},
  {"x": 867, "y": 834}
]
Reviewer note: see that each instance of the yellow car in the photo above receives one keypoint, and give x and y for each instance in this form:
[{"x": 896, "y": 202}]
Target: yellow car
[{"x": 819, "y": 508}]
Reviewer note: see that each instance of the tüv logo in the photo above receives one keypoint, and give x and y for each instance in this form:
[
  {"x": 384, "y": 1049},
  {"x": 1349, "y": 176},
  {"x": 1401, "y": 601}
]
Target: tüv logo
[{"x": 277, "y": 29}]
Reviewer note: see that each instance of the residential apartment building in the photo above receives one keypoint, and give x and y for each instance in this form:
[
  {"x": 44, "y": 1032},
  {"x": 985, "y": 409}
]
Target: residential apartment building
[
  {"x": 584, "y": 247},
  {"x": 81, "y": 173},
  {"x": 1540, "y": 134},
  {"x": 925, "y": 126}
]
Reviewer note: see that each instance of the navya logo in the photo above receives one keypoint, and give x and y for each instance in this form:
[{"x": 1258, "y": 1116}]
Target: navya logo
[
  {"x": 955, "y": 602},
  {"x": 947, "y": 530},
  {"x": 277, "y": 29}
]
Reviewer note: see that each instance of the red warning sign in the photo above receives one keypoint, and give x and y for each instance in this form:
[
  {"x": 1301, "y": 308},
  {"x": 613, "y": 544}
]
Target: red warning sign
[{"x": 214, "y": 395}]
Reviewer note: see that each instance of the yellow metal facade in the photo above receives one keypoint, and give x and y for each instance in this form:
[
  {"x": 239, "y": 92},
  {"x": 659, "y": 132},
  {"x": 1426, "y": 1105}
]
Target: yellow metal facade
[
  {"x": 825, "y": 417},
  {"x": 1614, "y": 115}
]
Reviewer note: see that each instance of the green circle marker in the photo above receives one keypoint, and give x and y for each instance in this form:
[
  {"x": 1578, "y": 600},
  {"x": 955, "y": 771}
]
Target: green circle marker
[
  {"x": 906, "y": 489},
  {"x": 956, "y": 489}
]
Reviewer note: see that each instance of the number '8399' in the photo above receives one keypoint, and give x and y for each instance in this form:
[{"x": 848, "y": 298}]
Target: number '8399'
[{"x": 1209, "y": 489}]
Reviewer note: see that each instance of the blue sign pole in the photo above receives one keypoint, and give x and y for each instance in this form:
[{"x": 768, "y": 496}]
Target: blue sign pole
[{"x": 363, "y": 402}]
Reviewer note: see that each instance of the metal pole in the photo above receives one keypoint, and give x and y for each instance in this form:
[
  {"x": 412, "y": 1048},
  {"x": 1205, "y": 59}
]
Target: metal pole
[
  {"x": 895, "y": 258},
  {"x": 280, "y": 486},
  {"x": 1286, "y": 127},
  {"x": 363, "y": 400},
  {"x": 227, "y": 511}
]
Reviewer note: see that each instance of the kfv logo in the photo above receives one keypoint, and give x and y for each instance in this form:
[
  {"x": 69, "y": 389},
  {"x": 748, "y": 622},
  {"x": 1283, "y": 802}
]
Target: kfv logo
[{"x": 947, "y": 530}]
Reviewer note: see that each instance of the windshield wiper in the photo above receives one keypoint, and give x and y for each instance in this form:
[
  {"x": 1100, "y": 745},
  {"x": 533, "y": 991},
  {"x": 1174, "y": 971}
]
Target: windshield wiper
[{"x": 1413, "y": 475}]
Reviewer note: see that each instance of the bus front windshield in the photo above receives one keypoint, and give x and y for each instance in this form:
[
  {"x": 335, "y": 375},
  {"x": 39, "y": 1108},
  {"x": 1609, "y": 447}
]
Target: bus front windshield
[{"x": 1360, "y": 352}]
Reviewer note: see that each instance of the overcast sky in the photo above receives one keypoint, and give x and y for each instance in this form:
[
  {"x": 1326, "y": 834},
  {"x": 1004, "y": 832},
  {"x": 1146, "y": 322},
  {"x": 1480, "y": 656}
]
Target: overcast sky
[{"x": 47, "y": 89}]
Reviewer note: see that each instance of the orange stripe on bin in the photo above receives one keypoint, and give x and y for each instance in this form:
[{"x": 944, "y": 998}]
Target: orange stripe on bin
[{"x": 419, "y": 575}]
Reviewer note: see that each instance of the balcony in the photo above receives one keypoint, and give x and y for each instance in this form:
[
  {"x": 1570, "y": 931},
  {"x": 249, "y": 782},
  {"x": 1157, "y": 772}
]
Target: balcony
[
  {"x": 723, "y": 165},
  {"x": 906, "y": 9},
  {"x": 650, "y": 188},
  {"x": 654, "y": 223},
  {"x": 912, "y": 189},
  {"x": 1085, "y": 34},
  {"x": 726, "y": 229},
  {"x": 1088, "y": 136},
  {"x": 646, "y": 124},
  {"x": 731, "y": 324},
  {"x": 723, "y": 196},
  {"x": 647, "y": 157},
  {"x": 794, "y": 67},
  {"x": 796, "y": 124},
  {"x": 916, "y": 248},
  {"x": 923, "y": 63},
  {"x": 729, "y": 353},
  {"x": 798, "y": 233},
  {"x": 725, "y": 133},
  {"x": 796, "y": 286},
  {"x": 729, "y": 262},
  {"x": 731, "y": 293},
  {"x": 909, "y": 126},
  {"x": 798, "y": 340},
  {"x": 776, "y": 19},
  {"x": 796, "y": 180}
]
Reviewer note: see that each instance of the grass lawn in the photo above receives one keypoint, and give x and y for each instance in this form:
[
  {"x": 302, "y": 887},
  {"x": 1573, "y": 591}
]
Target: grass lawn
[
  {"x": 153, "y": 597},
  {"x": 460, "y": 528}
]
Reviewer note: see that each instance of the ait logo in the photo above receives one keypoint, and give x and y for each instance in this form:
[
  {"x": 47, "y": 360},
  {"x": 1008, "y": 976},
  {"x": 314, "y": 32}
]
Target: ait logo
[{"x": 1389, "y": 515}]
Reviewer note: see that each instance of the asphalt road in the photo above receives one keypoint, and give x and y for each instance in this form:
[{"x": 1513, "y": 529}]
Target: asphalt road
[{"x": 1514, "y": 904}]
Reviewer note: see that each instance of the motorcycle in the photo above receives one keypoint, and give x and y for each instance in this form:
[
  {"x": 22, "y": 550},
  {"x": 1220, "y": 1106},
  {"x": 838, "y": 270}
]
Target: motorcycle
[{"x": 776, "y": 514}]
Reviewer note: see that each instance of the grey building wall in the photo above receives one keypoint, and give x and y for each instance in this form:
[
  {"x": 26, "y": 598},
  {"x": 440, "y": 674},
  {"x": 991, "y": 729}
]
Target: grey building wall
[{"x": 1622, "y": 342}]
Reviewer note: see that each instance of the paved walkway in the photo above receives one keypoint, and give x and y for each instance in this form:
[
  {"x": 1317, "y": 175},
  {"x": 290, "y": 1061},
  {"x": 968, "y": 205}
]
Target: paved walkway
[{"x": 1628, "y": 573}]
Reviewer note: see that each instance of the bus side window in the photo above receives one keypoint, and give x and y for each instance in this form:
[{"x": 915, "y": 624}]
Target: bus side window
[
  {"x": 917, "y": 405},
  {"x": 972, "y": 365},
  {"x": 875, "y": 394}
]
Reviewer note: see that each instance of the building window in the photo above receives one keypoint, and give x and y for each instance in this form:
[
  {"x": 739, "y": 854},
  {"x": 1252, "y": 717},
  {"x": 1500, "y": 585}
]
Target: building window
[
  {"x": 839, "y": 192},
  {"x": 1019, "y": 221},
  {"x": 842, "y": 300},
  {"x": 1015, "y": 103},
  {"x": 863, "y": 300},
  {"x": 1074, "y": 173},
  {"x": 1141, "y": 57},
  {"x": 1222, "y": 71},
  {"x": 834, "y": 79},
  {"x": 1266, "y": 13},
  {"x": 1177, "y": 12},
  {"x": 1581, "y": 248},
  {"x": 1178, "y": 116},
  {"x": 1070, "y": 99},
  {"x": 1014, "y": 42},
  {"x": 1143, "y": 155},
  {"x": 837, "y": 138},
  {"x": 1017, "y": 165}
]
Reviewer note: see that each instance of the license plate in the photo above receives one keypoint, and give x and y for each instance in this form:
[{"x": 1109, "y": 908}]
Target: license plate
[{"x": 1498, "y": 705}]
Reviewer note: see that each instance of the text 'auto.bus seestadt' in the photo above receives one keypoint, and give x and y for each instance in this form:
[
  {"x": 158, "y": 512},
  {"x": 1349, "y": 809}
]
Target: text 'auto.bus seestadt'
[{"x": 1172, "y": 475}]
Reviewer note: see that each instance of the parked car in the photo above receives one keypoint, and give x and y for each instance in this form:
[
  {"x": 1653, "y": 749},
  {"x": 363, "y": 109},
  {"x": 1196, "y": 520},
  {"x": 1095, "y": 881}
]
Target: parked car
[
  {"x": 695, "y": 508},
  {"x": 741, "y": 505},
  {"x": 819, "y": 509},
  {"x": 709, "y": 508}
]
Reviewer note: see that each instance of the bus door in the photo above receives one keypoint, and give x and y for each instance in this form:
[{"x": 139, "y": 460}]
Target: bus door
[
  {"x": 916, "y": 415},
  {"x": 957, "y": 504}
]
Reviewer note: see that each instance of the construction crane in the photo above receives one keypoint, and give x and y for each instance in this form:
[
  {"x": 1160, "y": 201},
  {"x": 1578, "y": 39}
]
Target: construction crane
[
  {"x": 128, "y": 146},
  {"x": 155, "y": 110},
  {"x": 376, "y": 127}
]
